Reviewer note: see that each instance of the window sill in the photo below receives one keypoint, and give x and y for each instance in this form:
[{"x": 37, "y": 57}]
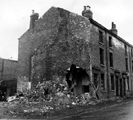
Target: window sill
[
  {"x": 112, "y": 68},
  {"x": 111, "y": 48},
  {"x": 101, "y": 43},
  {"x": 102, "y": 65},
  {"x": 112, "y": 90}
]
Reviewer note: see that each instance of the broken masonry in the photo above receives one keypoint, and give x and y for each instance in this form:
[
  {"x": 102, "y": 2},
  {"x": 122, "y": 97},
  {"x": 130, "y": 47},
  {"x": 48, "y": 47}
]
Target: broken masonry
[{"x": 79, "y": 81}]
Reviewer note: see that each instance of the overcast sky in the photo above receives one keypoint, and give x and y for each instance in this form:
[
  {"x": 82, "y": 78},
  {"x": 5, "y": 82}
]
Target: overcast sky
[{"x": 15, "y": 17}]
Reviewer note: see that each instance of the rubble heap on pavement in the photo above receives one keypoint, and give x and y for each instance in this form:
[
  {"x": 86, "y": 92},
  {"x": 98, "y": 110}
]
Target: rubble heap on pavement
[{"x": 50, "y": 95}]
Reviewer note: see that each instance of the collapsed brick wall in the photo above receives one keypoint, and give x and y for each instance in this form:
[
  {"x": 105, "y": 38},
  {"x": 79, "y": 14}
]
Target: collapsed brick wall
[{"x": 59, "y": 39}]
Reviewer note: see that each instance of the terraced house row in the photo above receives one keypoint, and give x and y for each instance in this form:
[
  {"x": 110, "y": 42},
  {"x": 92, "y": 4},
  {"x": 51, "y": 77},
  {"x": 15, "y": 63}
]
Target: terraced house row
[{"x": 64, "y": 45}]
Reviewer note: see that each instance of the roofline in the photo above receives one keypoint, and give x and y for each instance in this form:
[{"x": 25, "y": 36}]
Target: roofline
[
  {"x": 108, "y": 31},
  {"x": 9, "y": 60}
]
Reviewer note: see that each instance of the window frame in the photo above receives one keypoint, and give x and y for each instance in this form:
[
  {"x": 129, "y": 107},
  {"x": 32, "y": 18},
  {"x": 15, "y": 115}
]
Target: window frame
[
  {"x": 102, "y": 81},
  {"x": 128, "y": 84},
  {"x": 111, "y": 61},
  {"x": 101, "y": 51},
  {"x": 131, "y": 52},
  {"x": 132, "y": 65},
  {"x": 101, "y": 38},
  {"x": 126, "y": 50},
  {"x": 126, "y": 64},
  {"x": 110, "y": 42},
  {"x": 112, "y": 87}
]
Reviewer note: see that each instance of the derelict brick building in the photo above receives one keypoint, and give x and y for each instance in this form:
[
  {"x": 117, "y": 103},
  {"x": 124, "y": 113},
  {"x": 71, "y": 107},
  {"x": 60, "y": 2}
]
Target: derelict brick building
[
  {"x": 60, "y": 39},
  {"x": 8, "y": 78}
]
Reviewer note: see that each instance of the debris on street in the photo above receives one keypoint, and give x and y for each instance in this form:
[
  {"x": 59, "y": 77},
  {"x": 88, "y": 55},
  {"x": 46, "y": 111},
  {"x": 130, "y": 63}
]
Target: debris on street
[{"x": 47, "y": 97}]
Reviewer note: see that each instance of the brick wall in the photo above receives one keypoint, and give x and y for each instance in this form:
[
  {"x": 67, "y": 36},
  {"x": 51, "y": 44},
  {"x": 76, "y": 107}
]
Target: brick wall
[
  {"x": 59, "y": 39},
  {"x": 10, "y": 70},
  {"x": 95, "y": 57}
]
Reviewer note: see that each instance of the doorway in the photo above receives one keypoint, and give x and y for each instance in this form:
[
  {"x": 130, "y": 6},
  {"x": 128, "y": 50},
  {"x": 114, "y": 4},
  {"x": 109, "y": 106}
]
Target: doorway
[
  {"x": 117, "y": 86},
  {"x": 77, "y": 80}
]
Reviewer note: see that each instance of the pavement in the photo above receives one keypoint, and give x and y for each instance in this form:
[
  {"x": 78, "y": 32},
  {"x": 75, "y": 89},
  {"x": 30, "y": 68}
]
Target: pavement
[
  {"x": 121, "y": 111},
  {"x": 86, "y": 111},
  {"x": 101, "y": 111}
]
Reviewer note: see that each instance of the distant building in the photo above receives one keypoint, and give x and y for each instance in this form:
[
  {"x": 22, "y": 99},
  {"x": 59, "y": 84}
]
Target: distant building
[
  {"x": 60, "y": 39},
  {"x": 8, "y": 78}
]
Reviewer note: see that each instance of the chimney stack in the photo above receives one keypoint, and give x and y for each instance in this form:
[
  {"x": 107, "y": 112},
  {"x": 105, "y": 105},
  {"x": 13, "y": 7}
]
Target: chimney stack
[
  {"x": 87, "y": 12},
  {"x": 113, "y": 29},
  {"x": 33, "y": 18}
]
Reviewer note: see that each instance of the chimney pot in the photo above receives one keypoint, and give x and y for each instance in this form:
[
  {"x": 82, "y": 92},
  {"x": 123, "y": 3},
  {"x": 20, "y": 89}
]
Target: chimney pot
[
  {"x": 33, "y": 11},
  {"x": 33, "y": 18},
  {"x": 84, "y": 7},
  {"x": 113, "y": 29},
  {"x": 88, "y": 7},
  {"x": 87, "y": 12}
]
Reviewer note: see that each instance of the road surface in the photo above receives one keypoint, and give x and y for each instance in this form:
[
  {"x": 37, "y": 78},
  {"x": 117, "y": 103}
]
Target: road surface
[{"x": 122, "y": 111}]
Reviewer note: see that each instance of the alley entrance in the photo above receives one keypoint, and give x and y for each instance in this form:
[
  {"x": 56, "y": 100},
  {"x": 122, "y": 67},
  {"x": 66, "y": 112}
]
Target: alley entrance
[{"x": 7, "y": 88}]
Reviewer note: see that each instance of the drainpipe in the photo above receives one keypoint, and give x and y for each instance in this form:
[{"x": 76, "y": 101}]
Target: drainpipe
[{"x": 107, "y": 67}]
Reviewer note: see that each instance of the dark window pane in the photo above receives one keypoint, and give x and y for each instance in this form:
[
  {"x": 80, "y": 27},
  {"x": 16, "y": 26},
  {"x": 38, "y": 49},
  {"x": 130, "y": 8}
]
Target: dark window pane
[
  {"x": 111, "y": 59},
  {"x": 132, "y": 65},
  {"x": 102, "y": 81},
  {"x": 126, "y": 63},
  {"x": 101, "y": 56},
  {"x": 112, "y": 82},
  {"x": 125, "y": 50},
  {"x": 110, "y": 41},
  {"x": 101, "y": 36}
]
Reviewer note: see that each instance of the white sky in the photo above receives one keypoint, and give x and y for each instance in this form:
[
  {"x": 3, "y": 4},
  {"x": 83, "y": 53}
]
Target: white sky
[{"x": 15, "y": 17}]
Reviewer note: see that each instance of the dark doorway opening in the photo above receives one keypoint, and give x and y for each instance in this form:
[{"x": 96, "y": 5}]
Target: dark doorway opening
[
  {"x": 121, "y": 95},
  {"x": 85, "y": 88},
  {"x": 77, "y": 80},
  {"x": 117, "y": 86}
]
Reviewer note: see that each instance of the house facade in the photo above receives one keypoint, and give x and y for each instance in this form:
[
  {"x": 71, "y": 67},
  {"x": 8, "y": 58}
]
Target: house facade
[
  {"x": 8, "y": 78},
  {"x": 63, "y": 45}
]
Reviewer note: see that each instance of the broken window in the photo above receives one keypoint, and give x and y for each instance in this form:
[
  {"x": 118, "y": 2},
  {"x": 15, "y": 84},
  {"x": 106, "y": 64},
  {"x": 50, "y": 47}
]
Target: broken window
[
  {"x": 101, "y": 56},
  {"x": 100, "y": 36},
  {"x": 110, "y": 41},
  {"x": 111, "y": 59},
  {"x": 112, "y": 82},
  {"x": 102, "y": 81},
  {"x": 126, "y": 60}
]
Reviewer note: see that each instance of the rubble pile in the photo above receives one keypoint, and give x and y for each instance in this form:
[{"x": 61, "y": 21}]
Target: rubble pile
[{"x": 48, "y": 96}]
